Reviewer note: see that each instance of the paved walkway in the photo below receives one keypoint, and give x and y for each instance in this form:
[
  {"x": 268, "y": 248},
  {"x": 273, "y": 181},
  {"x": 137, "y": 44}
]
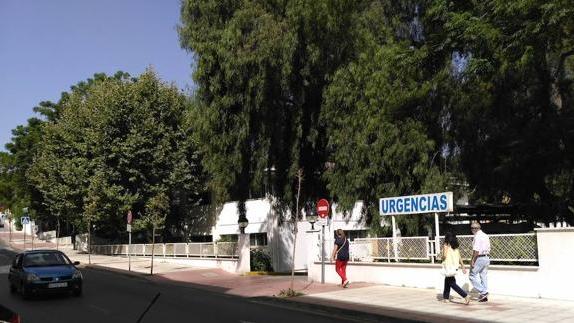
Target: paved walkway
[
  {"x": 405, "y": 303},
  {"x": 424, "y": 305}
]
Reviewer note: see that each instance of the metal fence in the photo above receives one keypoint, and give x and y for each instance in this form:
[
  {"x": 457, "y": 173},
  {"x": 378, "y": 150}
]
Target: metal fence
[
  {"x": 505, "y": 248},
  {"x": 197, "y": 250},
  {"x": 518, "y": 247}
]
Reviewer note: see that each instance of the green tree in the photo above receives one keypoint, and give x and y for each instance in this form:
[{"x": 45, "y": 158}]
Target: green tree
[
  {"x": 509, "y": 101},
  {"x": 379, "y": 126},
  {"x": 117, "y": 139},
  {"x": 18, "y": 191},
  {"x": 154, "y": 219},
  {"x": 261, "y": 69}
]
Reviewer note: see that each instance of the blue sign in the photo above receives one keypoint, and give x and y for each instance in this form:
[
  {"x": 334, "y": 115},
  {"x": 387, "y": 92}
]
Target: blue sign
[
  {"x": 25, "y": 220},
  {"x": 416, "y": 204}
]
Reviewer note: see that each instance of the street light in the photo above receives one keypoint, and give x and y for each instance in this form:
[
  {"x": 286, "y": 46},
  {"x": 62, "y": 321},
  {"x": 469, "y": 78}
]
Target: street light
[
  {"x": 243, "y": 222},
  {"x": 311, "y": 216}
]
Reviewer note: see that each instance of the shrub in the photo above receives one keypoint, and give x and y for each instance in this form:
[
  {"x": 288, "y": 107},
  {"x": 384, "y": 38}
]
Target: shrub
[{"x": 260, "y": 261}]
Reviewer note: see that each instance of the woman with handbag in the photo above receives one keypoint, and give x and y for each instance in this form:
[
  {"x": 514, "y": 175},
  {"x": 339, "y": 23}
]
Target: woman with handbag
[
  {"x": 341, "y": 256},
  {"x": 450, "y": 265}
]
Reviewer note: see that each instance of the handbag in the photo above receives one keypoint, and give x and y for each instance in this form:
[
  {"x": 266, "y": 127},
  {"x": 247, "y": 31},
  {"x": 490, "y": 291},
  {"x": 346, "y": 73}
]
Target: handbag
[
  {"x": 449, "y": 266},
  {"x": 449, "y": 270}
]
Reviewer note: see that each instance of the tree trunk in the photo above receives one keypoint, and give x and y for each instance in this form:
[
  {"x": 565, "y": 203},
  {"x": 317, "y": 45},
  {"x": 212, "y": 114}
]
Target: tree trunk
[{"x": 299, "y": 178}]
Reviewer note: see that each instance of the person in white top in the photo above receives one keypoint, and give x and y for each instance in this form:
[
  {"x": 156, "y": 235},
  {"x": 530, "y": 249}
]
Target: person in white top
[{"x": 480, "y": 261}]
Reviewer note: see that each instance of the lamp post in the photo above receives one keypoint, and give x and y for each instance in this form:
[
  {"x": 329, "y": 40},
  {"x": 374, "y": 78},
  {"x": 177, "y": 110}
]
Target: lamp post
[
  {"x": 312, "y": 218},
  {"x": 243, "y": 222}
]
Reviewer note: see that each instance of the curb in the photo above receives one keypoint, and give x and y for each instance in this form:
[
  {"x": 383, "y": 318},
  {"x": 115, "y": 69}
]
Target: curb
[
  {"x": 270, "y": 273},
  {"x": 330, "y": 311},
  {"x": 122, "y": 272}
]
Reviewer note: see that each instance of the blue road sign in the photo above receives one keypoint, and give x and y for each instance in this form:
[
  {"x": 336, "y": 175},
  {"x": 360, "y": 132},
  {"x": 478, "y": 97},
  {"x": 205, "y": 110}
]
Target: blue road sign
[{"x": 25, "y": 220}]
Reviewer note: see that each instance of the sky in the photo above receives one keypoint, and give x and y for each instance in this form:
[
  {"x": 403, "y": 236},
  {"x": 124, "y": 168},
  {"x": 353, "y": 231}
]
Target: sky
[{"x": 48, "y": 46}]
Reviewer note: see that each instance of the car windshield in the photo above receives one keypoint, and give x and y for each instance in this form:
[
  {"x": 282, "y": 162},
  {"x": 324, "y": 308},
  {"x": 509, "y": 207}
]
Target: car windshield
[{"x": 41, "y": 259}]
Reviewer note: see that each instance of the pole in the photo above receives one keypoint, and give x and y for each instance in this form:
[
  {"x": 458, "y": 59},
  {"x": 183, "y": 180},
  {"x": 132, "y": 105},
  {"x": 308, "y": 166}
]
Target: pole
[
  {"x": 130, "y": 251},
  {"x": 58, "y": 233},
  {"x": 152, "y": 249},
  {"x": 436, "y": 239},
  {"x": 90, "y": 242},
  {"x": 10, "y": 223},
  {"x": 24, "y": 227},
  {"x": 323, "y": 254},
  {"x": 32, "y": 232},
  {"x": 394, "y": 239}
]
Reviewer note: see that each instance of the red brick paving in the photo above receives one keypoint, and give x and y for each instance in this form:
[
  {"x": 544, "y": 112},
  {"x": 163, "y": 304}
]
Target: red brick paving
[{"x": 247, "y": 286}]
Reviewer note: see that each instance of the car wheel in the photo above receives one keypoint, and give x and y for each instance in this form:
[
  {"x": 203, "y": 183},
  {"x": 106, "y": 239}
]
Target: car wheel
[
  {"x": 26, "y": 294},
  {"x": 77, "y": 292}
]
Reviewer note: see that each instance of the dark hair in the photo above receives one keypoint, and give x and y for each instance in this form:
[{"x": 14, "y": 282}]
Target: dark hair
[{"x": 451, "y": 240}]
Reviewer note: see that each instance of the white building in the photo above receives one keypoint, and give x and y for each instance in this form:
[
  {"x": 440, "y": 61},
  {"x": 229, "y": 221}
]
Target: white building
[{"x": 268, "y": 230}]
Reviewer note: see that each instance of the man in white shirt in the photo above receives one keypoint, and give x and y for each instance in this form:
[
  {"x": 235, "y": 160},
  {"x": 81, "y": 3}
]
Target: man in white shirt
[{"x": 480, "y": 261}]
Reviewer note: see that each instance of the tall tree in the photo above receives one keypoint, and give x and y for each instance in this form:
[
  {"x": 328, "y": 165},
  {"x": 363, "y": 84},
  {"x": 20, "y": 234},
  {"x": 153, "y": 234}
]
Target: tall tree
[
  {"x": 117, "y": 139},
  {"x": 509, "y": 98},
  {"x": 261, "y": 71}
]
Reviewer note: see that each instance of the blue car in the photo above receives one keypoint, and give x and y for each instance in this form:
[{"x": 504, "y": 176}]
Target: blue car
[{"x": 44, "y": 271}]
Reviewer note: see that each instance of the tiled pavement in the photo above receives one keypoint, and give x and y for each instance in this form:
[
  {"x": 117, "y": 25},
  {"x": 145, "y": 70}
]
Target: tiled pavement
[{"x": 424, "y": 305}]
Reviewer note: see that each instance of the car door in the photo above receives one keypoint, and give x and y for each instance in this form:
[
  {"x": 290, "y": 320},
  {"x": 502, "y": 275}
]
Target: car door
[{"x": 15, "y": 270}]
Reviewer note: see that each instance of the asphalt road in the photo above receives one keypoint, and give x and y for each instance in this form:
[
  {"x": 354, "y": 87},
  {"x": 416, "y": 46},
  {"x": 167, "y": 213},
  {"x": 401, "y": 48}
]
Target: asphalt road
[{"x": 113, "y": 297}]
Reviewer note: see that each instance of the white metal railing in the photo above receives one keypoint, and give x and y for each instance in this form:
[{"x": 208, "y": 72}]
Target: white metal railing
[
  {"x": 201, "y": 250},
  {"x": 404, "y": 248},
  {"x": 510, "y": 248},
  {"x": 515, "y": 247}
]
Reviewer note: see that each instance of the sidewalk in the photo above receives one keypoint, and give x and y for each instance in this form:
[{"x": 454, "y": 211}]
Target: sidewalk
[
  {"x": 376, "y": 300},
  {"x": 360, "y": 302},
  {"x": 18, "y": 241}
]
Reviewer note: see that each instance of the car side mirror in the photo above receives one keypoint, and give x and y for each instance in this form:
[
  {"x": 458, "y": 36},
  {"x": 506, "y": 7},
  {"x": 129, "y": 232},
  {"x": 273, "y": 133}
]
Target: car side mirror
[{"x": 76, "y": 263}]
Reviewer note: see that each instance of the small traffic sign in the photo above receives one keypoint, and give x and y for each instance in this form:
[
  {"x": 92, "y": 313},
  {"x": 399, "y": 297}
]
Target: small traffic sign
[
  {"x": 129, "y": 228},
  {"x": 323, "y": 208},
  {"x": 130, "y": 217},
  {"x": 25, "y": 220}
]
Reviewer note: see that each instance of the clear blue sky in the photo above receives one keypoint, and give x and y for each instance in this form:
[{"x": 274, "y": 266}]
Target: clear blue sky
[{"x": 47, "y": 46}]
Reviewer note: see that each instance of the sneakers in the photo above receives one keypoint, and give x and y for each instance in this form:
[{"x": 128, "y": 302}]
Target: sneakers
[
  {"x": 467, "y": 300},
  {"x": 346, "y": 283}
]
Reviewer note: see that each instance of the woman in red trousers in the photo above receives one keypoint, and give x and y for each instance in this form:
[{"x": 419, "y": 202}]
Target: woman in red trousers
[{"x": 341, "y": 256}]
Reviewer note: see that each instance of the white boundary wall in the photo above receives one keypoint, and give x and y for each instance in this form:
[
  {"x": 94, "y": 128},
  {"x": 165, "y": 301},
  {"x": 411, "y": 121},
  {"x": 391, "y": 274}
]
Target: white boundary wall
[
  {"x": 229, "y": 265},
  {"x": 551, "y": 279}
]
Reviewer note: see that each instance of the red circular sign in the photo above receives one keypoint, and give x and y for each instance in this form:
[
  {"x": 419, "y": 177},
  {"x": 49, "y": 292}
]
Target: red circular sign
[
  {"x": 323, "y": 208},
  {"x": 130, "y": 217}
]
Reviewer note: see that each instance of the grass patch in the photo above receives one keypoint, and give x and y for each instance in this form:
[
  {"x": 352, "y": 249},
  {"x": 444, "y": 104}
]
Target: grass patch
[{"x": 289, "y": 293}]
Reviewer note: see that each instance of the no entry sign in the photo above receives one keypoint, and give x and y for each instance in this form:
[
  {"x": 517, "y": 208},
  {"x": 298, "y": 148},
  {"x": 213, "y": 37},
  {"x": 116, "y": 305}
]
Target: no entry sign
[{"x": 323, "y": 208}]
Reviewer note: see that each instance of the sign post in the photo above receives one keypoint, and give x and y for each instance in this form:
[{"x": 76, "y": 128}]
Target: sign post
[
  {"x": 417, "y": 204},
  {"x": 9, "y": 214},
  {"x": 437, "y": 235},
  {"x": 24, "y": 221},
  {"x": 129, "y": 229},
  {"x": 323, "y": 213},
  {"x": 395, "y": 243}
]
